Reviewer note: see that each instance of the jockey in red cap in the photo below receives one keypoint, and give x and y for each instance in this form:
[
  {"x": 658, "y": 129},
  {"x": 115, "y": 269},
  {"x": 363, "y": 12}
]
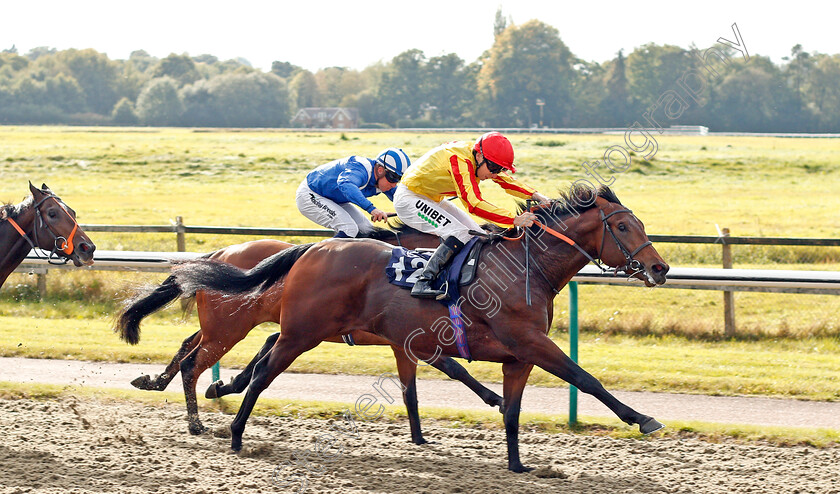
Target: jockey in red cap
[{"x": 455, "y": 170}]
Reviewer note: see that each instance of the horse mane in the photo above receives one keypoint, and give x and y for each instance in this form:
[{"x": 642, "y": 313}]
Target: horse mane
[
  {"x": 575, "y": 201},
  {"x": 396, "y": 227},
  {"x": 10, "y": 210}
]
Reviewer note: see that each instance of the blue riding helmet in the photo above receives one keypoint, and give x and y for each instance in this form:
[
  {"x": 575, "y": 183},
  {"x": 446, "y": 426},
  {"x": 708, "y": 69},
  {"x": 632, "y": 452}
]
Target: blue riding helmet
[{"x": 395, "y": 162}]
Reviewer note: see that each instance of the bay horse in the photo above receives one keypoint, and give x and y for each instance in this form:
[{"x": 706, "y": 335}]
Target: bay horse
[
  {"x": 44, "y": 222},
  {"x": 226, "y": 320},
  {"x": 335, "y": 287}
]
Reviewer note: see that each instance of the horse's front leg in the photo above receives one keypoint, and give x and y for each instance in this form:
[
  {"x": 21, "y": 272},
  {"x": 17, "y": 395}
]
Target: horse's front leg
[
  {"x": 516, "y": 375},
  {"x": 538, "y": 349}
]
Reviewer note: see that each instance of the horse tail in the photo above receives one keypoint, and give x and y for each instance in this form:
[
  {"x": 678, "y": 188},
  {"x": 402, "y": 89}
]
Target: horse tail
[
  {"x": 141, "y": 305},
  {"x": 206, "y": 274}
]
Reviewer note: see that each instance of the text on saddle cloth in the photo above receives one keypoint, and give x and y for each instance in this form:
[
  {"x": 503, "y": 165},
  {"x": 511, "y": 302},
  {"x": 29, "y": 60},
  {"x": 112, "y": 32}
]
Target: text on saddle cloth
[{"x": 405, "y": 266}]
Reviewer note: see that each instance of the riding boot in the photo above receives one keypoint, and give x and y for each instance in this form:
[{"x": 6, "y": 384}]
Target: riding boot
[{"x": 445, "y": 251}]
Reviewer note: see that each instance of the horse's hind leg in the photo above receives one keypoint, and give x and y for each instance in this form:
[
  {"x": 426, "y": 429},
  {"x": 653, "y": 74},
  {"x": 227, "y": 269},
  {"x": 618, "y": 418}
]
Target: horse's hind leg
[
  {"x": 456, "y": 371},
  {"x": 407, "y": 369},
  {"x": 201, "y": 358},
  {"x": 160, "y": 382},
  {"x": 239, "y": 383},
  {"x": 516, "y": 375},
  {"x": 281, "y": 356}
]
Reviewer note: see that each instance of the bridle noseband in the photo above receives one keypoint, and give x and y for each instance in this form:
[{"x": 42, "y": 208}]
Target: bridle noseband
[
  {"x": 633, "y": 264},
  {"x": 60, "y": 243}
]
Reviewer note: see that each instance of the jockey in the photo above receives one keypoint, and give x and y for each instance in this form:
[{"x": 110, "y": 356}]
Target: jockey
[
  {"x": 455, "y": 170},
  {"x": 330, "y": 193}
]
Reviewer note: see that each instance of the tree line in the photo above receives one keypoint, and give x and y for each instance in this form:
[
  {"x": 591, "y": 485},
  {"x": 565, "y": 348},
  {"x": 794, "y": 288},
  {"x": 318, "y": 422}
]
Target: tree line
[{"x": 527, "y": 78}]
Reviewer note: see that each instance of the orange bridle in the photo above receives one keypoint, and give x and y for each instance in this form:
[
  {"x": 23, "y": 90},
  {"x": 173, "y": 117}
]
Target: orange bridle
[{"x": 63, "y": 244}]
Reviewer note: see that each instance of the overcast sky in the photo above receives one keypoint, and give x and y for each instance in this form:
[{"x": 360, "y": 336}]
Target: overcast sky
[{"x": 316, "y": 34}]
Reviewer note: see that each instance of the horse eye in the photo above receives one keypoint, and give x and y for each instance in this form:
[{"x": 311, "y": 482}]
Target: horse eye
[
  {"x": 51, "y": 213},
  {"x": 621, "y": 227}
]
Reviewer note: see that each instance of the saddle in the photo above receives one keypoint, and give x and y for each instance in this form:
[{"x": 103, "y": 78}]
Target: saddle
[{"x": 406, "y": 265}]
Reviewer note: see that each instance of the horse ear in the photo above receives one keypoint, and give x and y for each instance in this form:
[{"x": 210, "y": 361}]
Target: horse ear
[
  {"x": 34, "y": 190},
  {"x": 44, "y": 187}
]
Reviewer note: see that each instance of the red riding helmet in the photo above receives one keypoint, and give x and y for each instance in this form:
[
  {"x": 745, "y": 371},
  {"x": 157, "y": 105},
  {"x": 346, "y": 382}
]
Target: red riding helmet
[{"x": 496, "y": 148}]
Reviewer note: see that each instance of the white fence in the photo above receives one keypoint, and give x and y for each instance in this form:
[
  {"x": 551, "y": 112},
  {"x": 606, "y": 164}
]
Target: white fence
[{"x": 761, "y": 280}]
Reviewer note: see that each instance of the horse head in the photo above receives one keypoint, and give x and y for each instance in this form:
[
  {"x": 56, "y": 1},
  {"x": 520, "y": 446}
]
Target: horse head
[
  {"x": 55, "y": 229},
  {"x": 606, "y": 230},
  {"x": 625, "y": 245}
]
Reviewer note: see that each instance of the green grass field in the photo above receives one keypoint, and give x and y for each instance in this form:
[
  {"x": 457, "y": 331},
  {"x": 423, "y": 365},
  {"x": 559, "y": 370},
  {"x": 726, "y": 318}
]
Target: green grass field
[{"x": 754, "y": 186}]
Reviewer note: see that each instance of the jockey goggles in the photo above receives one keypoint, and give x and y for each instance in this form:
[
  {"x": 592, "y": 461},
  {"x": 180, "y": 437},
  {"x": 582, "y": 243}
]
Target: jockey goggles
[
  {"x": 492, "y": 167},
  {"x": 392, "y": 177}
]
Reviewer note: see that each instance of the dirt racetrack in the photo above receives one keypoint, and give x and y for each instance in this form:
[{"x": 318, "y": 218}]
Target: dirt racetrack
[{"x": 86, "y": 446}]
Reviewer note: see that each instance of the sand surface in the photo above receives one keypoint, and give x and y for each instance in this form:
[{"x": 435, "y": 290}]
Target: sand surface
[
  {"x": 85, "y": 445},
  {"x": 666, "y": 407}
]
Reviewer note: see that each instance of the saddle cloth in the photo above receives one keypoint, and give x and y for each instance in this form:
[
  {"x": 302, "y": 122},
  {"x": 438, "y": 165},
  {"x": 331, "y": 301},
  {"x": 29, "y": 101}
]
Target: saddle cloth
[{"x": 405, "y": 267}]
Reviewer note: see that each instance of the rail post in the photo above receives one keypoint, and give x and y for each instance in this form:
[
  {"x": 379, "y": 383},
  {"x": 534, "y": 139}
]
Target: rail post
[
  {"x": 216, "y": 375},
  {"x": 42, "y": 284},
  {"x": 728, "y": 295},
  {"x": 180, "y": 234},
  {"x": 573, "y": 347},
  {"x": 181, "y": 246}
]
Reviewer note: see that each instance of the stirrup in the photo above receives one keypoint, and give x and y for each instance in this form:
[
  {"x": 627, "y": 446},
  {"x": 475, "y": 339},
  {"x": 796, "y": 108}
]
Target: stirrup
[
  {"x": 426, "y": 291},
  {"x": 444, "y": 291}
]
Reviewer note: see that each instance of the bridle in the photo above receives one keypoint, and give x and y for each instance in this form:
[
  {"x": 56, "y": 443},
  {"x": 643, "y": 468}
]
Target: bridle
[
  {"x": 632, "y": 267},
  {"x": 60, "y": 243},
  {"x": 633, "y": 264}
]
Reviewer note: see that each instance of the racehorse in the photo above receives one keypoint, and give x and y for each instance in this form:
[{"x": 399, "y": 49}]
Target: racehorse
[
  {"x": 226, "y": 320},
  {"x": 335, "y": 287},
  {"x": 41, "y": 221}
]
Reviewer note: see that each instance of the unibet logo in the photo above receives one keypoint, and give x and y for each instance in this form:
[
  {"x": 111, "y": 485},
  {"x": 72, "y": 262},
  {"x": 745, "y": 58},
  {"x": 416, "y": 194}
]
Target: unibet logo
[
  {"x": 430, "y": 215},
  {"x": 427, "y": 219}
]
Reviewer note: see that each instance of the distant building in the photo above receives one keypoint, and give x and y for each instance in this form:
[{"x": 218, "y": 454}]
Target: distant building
[
  {"x": 327, "y": 118},
  {"x": 687, "y": 130}
]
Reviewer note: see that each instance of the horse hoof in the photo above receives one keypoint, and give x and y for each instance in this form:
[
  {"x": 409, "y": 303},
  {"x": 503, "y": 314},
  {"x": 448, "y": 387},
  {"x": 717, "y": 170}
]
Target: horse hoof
[
  {"x": 650, "y": 425},
  {"x": 520, "y": 468},
  {"x": 197, "y": 430},
  {"x": 142, "y": 382},
  {"x": 213, "y": 390}
]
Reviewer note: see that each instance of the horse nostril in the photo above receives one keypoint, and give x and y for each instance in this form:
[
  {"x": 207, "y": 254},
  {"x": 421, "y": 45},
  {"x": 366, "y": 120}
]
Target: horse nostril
[
  {"x": 85, "y": 247},
  {"x": 660, "y": 268}
]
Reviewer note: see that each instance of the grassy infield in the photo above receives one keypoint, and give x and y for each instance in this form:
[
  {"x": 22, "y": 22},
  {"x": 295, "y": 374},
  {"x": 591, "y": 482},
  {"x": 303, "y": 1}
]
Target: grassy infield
[{"x": 665, "y": 340}]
